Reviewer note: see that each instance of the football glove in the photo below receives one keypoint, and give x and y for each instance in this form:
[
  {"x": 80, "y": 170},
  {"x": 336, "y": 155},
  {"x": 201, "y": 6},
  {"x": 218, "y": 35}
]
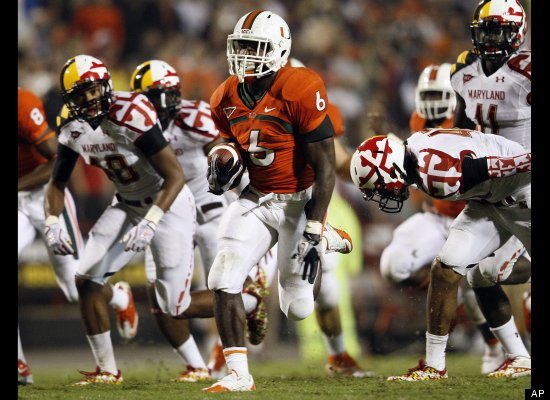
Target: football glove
[
  {"x": 56, "y": 238},
  {"x": 309, "y": 251},
  {"x": 139, "y": 237}
]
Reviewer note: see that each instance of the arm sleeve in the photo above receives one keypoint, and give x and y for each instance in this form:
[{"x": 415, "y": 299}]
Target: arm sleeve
[
  {"x": 64, "y": 164},
  {"x": 151, "y": 142},
  {"x": 323, "y": 131},
  {"x": 474, "y": 172}
]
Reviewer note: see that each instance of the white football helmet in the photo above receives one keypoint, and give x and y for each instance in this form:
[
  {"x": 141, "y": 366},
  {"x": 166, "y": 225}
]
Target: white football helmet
[
  {"x": 435, "y": 97},
  {"x": 498, "y": 28},
  {"x": 377, "y": 169},
  {"x": 294, "y": 62},
  {"x": 260, "y": 44}
]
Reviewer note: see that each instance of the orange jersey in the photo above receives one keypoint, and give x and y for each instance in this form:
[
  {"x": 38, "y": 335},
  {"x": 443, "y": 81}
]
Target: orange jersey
[
  {"x": 444, "y": 207},
  {"x": 32, "y": 129},
  {"x": 294, "y": 105},
  {"x": 336, "y": 118}
]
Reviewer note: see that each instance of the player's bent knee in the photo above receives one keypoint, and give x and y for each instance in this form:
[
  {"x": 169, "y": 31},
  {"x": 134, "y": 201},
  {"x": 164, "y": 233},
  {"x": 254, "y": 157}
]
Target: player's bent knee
[
  {"x": 300, "y": 309},
  {"x": 393, "y": 267},
  {"x": 222, "y": 275},
  {"x": 444, "y": 272},
  {"x": 477, "y": 279}
]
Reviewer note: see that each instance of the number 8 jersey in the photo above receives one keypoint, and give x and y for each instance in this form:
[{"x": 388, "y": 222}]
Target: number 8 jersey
[
  {"x": 499, "y": 103},
  {"x": 269, "y": 129},
  {"x": 118, "y": 147}
]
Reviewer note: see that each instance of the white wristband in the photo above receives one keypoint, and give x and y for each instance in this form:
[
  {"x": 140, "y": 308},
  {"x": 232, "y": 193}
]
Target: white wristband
[
  {"x": 154, "y": 214},
  {"x": 52, "y": 219},
  {"x": 314, "y": 227}
]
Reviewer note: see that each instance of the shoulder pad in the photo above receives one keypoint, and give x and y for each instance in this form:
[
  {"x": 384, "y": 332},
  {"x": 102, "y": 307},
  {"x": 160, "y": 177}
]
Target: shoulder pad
[
  {"x": 62, "y": 118},
  {"x": 520, "y": 62},
  {"x": 133, "y": 111},
  {"x": 220, "y": 91},
  {"x": 465, "y": 58},
  {"x": 294, "y": 82}
]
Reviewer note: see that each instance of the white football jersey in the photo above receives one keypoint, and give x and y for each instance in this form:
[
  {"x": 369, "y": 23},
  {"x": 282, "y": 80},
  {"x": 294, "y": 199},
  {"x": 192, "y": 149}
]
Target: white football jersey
[
  {"x": 188, "y": 133},
  {"x": 499, "y": 103},
  {"x": 111, "y": 145},
  {"x": 440, "y": 152}
]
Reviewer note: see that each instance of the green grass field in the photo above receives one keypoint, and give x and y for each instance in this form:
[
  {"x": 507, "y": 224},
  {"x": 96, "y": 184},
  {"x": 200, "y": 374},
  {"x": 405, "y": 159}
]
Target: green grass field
[{"x": 289, "y": 380}]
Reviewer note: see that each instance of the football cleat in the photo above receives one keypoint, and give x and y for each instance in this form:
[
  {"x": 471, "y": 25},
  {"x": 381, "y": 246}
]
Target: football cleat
[
  {"x": 24, "y": 375},
  {"x": 513, "y": 368},
  {"x": 101, "y": 377},
  {"x": 127, "y": 320},
  {"x": 336, "y": 240},
  {"x": 492, "y": 358},
  {"x": 216, "y": 364},
  {"x": 256, "y": 321},
  {"x": 344, "y": 364},
  {"x": 232, "y": 383},
  {"x": 422, "y": 372},
  {"x": 194, "y": 375}
]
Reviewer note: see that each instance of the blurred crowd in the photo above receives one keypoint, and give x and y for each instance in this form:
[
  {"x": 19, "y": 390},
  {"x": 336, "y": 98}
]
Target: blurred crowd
[{"x": 369, "y": 52}]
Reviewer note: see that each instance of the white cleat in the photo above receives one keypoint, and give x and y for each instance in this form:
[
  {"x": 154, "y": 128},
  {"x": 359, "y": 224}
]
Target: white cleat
[
  {"x": 513, "y": 368},
  {"x": 336, "y": 240},
  {"x": 232, "y": 383}
]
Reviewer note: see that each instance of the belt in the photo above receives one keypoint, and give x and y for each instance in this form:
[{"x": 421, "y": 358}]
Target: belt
[
  {"x": 511, "y": 202},
  {"x": 210, "y": 206},
  {"x": 135, "y": 203},
  {"x": 297, "y": 196}
]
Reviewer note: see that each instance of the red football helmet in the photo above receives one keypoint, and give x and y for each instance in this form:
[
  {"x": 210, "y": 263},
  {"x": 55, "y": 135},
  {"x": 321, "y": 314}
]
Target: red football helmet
[{"x": 377, "y": 169}]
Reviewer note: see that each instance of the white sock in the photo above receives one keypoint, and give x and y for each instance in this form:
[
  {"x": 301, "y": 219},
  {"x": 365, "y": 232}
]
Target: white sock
[
  {"x": 189, "y": 352},
  {"x": 510, "y": 339},
  {"x": 102, "y": 348},
  {"x": 435, "y": 350},
  {"x": 250, "y": 302},
  {"x": 237, "y": 360},
  {"x": 120, "y": 299},
  {"x": 20, "y": 354},
  {"x": 334, "y": 345}
]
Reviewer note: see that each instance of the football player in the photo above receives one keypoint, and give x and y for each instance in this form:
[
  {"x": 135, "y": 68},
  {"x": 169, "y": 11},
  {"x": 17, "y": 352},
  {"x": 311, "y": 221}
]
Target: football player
[
  {"x": 37, "y": 148},
  {"x": 424, "y": 233},
  {"x": 120, "y": 133},
  {"x": 493, "y": 87},
  {"x": 491, "y": 172},
  {"x": 188, "y": 127},
  {"x": 277, "y": 115}
]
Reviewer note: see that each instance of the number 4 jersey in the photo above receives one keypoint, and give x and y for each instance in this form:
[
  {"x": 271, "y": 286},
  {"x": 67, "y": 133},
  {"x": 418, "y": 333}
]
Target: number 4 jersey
[
  {"x": 501, "y": 102},
  {"x": 121, "y": 144}
]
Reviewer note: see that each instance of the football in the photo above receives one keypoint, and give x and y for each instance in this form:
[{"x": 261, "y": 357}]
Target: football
[{"x": 225, "y": 167}]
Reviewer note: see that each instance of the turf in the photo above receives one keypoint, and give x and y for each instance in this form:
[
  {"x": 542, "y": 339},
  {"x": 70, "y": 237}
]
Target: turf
[{"x": 287, "y": 380}]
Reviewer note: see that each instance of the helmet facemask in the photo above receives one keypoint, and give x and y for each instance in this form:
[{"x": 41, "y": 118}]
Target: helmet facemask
[
  {"x": 495, "y": 40},
  {"x": 389, "y": 196},
  {"x": 89, "y": 110},
  {"x": 166, "y": 100},
  {"x": 250, "y": 57},
  {"x": 435, "y": 104}
]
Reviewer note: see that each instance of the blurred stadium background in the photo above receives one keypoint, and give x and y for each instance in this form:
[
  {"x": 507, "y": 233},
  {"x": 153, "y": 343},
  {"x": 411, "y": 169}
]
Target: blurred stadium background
[{"x": 369, "y": 52}]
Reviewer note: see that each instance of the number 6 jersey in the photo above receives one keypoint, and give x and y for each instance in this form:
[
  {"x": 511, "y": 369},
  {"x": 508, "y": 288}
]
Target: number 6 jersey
[
  {"x": 270, "y": 129},
  {"x": 121, "y": 144}
]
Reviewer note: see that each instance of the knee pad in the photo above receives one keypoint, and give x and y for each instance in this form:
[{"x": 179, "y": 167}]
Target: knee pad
[
  {"x": 296, "y": 300},
  {"x": 477, "y": 280},
  {"x": 300, "y": 309},
  {"x": 224, "y": 272},
  {"x": 170, "y": 303}
]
